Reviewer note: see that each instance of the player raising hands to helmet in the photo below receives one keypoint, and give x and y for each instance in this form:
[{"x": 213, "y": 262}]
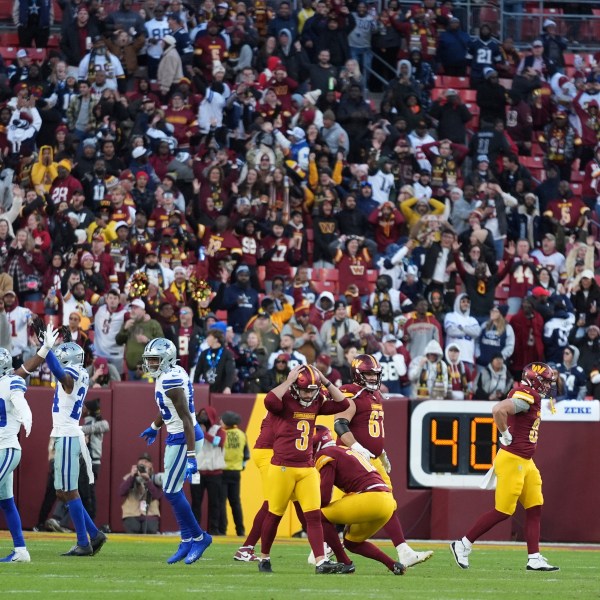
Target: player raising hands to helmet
[
  {"x": 174, "y": 395},
  {"x": 361, "y": 428},
  {"x": 518, "y": 479},
  {"x": 295, "y": 405}
]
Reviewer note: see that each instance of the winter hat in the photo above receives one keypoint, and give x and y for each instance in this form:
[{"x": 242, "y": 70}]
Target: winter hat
[
  {"x": 66, "y": 164},
  {"x": 313, "y": 96},
  {"x": 138, "y": 152}
]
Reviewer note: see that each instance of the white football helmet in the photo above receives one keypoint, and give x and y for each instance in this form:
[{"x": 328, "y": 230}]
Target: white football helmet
[
  {"x": 70, "y": 354},
  {"x": 162, "y": 349},
  {"x": 6, "y": 367}
]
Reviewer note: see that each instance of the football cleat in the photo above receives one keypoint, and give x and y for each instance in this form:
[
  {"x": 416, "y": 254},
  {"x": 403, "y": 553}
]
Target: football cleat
[
  {"x": 329, "y": 568},
  {"x": 77, "y": 550},
  {"x": 347, "y": 569},
  {"x": 398, "y": 569},
  {"x": 540, "y": 564},
  {"x": 98, "y": 542},
  {"x": 245, "y": 554},
  {"x": 409, "y": 557},
  {"x": 264, "y": 565},
  {"x": 20, "y": 555},
  {"x": 182, "y": 552},
  {"x": 460, "y": 553},
  {"x": 198, "y": 548}
]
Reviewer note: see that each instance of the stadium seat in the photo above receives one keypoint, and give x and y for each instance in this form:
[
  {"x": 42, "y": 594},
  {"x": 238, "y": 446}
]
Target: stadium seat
[
  {"x": 577, "y": 176},
  {"x": 330, "y": 275},
  {"x": 6, "y": 10},
  {"x": 458, "y": 83},
  {"x": 9, "y": 38},
  {"x": 37, "y": 307},
  {"x": 221, "y": 315},
  {"x": 576, "y": 189},
  {"x": 532, "y": 162},
  {"x": 36, "y": 54},
  {"x": 437, "y": 93},
  {"x": 468, "y": 95}
]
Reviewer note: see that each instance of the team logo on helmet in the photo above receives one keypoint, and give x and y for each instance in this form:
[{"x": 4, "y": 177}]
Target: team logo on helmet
[
  {"x": 159, "y": 356},
  {"x": 70, "y": 354},
  {"x": 366, "y": 371},
  {"x": 308, "y": 380},
  {"x": 321, "y": 437},
  {"x": 539, "y": 376},
  {"x": 6, "y": 367}
]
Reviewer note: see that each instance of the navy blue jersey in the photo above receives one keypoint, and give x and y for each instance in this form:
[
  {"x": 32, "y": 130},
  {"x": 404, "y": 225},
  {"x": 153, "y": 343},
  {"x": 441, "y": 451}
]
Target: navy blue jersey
[{"x": 483, "y": 54}]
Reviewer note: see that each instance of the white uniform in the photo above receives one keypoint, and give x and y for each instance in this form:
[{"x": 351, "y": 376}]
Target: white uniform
[
  {"x": 14, "y": 411},
  {"x": 106, "y": 327},
  {"x": 157, "y": 30}
]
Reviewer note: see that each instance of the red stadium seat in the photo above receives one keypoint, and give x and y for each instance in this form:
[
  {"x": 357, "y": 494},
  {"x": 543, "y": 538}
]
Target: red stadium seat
[
  {"x": 36, "y": 307},
  {"x": 532, "y": 162},
  {"x": 577, "y": 176},
  {"x": 468, "y": 95},
  {"x": 458, "y": 83},
  {"x": 330, "y": 275},
  {"x": 221, "y": 315}
]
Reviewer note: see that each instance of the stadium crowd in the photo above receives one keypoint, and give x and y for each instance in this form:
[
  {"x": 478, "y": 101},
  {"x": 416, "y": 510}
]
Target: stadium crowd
[{"x": 221, "y": 174}]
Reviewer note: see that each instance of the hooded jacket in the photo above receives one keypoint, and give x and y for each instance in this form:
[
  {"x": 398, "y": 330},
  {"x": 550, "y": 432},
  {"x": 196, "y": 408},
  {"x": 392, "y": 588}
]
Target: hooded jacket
[
  {"x": 42, "y": 174},
  {"x": 211, "y": 461},
  {"x": 489, "y": 381},
  {"x": 460, "y": 376},
  {"x": 574, "y": 377},
  {"x": 430, "y": 378},
  {"x": 556, "y": 332},
  {"x": 318, "y": 315},
  {"x": 462, "y": 329}
]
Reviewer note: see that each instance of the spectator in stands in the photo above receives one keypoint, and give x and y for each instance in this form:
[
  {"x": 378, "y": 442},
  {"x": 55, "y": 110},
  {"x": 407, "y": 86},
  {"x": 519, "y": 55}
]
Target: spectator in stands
[
  {"x": 536, "y": 61},
  {"x": 493, "y": 381},
  {"x": 334, "y": 329},
  {"x": 554, "y": 46},
  {"x": 452, "y": 50},
  {"x": 560, "y": 143},
  {"x": 420, "y": 328},
  {"x": 276, "y": 374},
  {"x": 287, "y": 347},
  {"x": 33, "y": 22},
  {"x": 491, "y": 96},
  {"x": 462, "y": 329},
  {"x": 101, "y": 373},
  {"x": 586, "y": 299},
  {"x": 587, "y": 341},
  {"x": 170, "y": 69},
  {"x": 137, "y": 330},
  {"x": 353, "y": 259},
  {"x": 549, "y": 257},
  {"x": 461, "y": 374},
  {"x": 429, "y": 373},
  {"x": 345, "y": 368},
  {"x": 485, "y": 54},
  {"x": 497, "y": 336},
  {"x": 528, "y": 326},
  {"x": 573, "y": 376},
  {"x": 240, "y": 300},
  {"x": 452, "y": 117},
  {"x": 74, "y": 332},
  {"x": 307, "y": 340},
  {"x": 216, "y": 365},
  {"x": 394, "y": 372},
  {"x": 83, "y": 28}
]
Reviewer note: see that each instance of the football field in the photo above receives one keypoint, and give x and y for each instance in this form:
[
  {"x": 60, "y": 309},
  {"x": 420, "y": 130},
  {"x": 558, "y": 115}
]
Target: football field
[{"x": 134, "y": 567}]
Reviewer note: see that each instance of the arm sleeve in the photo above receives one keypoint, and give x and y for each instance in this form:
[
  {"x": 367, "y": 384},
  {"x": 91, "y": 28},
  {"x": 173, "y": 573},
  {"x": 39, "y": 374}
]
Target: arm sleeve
[
  {"x": 21, "y": 408},
  {"x": 273, "y": 403}
]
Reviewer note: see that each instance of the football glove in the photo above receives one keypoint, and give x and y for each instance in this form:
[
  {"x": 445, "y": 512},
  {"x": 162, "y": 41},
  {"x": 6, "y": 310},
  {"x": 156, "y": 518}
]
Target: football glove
[
  {"x": 385, "y": 461},
  {"x": 50, "y": 337},
  {"x": 191, "y": 466},
  {"x": 149, "y": 434},
  {"x": 362, "y": 450},
  {"x": 505, "y": 438}
]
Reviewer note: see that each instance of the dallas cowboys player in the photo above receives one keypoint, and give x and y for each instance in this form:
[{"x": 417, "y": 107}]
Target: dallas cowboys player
[
  {"x": 14, "y": 412},
  {"x": 174, "y": 395},
  {"x": 72, "y": 382}
]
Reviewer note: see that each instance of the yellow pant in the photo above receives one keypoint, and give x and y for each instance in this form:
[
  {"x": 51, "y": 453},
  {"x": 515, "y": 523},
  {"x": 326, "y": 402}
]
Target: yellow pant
[
  {"x": 293, "y": 483},
  {"x": 366, "y": 513},
  {"x": 262, "y": 459},
  {"x": 518, "y": 481}
]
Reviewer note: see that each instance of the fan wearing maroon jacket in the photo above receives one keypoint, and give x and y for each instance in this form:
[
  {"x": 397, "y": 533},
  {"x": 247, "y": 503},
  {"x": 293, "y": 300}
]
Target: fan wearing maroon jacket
[
  {"x": 64, "y": 185},
  {"x": 367, "y": 504},
  {"x": 518, "y": 420},
  {"x": 295, "y": 405},
  {"x": 274, "y": 254},
  {"x": 360, "y": 428},
  {"x": 221, "y": 245}
]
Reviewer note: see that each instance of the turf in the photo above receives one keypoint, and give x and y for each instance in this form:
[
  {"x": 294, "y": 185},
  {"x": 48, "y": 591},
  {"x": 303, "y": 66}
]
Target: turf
[{"x": 134, "y": 567}]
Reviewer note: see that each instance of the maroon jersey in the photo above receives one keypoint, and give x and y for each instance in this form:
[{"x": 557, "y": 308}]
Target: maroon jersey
[
  {"x": 353, "y": 270},
  {"x": 367, "y": 423},
  {"x": 219, "y": 247},
  {"x": 265, "y": 438},
  {"x": 525, "y": 426},
  {"x": 294, "y": 426},
  {"x": 522, "y": 278},
  {"x": 568, "y": 212},
  {"x": 343, "y": 468},
  {"x": 276, "y": 250},
  {"x": 62, "y": 190}
]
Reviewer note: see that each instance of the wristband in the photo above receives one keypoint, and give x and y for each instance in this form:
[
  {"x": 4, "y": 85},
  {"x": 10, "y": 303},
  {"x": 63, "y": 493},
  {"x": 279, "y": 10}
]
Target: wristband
[
  {"x": 328, "y": 384},
  {"x": 154, "y": 426},
  {"x": 191, "y": 454},
  {"x": 26, "y": 371},
  {"x": 43, "y": 352}
]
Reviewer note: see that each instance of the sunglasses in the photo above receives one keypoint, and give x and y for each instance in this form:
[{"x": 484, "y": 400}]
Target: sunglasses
[{"x": 281, "y": 362}]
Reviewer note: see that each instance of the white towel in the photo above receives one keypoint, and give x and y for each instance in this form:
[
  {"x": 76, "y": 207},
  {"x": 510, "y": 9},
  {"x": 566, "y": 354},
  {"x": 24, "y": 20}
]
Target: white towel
[
  {"x": 489, "y": 480},
  {"x": 85, "y": 452}
]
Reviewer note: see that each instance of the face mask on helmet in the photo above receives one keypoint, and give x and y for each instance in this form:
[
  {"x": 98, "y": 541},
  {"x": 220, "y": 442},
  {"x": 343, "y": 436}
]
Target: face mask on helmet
[
  {"x": 540, "y": 377},
  {"x": 306, "y": 387},
  {"x": 6, "y": 367},
  {"x": 366, "y": 372},
  {"x": 70, "y": 354},
  {"x": 159, "y": 356},
  {"x": 321, "y": 438}
]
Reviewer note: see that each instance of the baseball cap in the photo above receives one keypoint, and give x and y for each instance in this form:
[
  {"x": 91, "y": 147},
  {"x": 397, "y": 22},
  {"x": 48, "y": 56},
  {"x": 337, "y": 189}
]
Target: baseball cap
[
  {"x": 242, "y": 269},
  {"x": 587, "y": 273},
  {"x": 450, "y": 92},
  {"x": 283, "y": 356},
  {"x": 483, "y": 158},
  {"x": 389, "y": 338},
  {"x": 550, "y": 236},
  {"x": 138, "y": 151},
  {"x": 324, "y": 359},
  {"x": 137, "y": 302},
  {"x": 540, "y": 291},
  {"x": 121, "y": 224},
  {"x": 537, "y": 44},
  {"x": 297, "y": 132},
  {"x": 22, "y": 53},
  {"x": 89, "y": 142}
]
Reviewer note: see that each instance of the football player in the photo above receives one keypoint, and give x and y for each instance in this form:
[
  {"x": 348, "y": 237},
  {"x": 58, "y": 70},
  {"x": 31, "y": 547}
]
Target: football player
[
  {"x": 368, "y": 503},
  {"x": 295, "y": 405},
  {"x": 174, "y": 395},
  {"x": 518, "y": 479},
  {"x": 360, "y": 427},
  {"x": 72, "y": 382},
  {"x": 14, "y": 412}
]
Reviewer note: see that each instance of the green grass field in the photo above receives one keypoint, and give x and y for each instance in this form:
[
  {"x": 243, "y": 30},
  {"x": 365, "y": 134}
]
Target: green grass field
[{"x": 134, "y": 567}]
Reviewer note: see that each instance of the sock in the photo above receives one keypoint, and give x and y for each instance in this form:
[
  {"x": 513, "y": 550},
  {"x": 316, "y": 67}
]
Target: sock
[
  {"x": 534, "y": 555},
  {"x": 332, "y": 538},
  {"x": 485, "y": 523},
  {"x": 185, "y": 517},
  {"x": 393, "y": 529},
  {"x": 300, "y": 514},
  {"x": 76, "y": 511},
  {"x": 90, "y": 526},
  {"x": 13, "y": 520},
  {"x": 370, "y": 551},
  {"x": 466, "y": 543},
  {"x": 268, "y": 532},
  {"x": 257, "y": 524},
  {"x": 533, "y": 518},
  {"x": 314, "y": 530}
]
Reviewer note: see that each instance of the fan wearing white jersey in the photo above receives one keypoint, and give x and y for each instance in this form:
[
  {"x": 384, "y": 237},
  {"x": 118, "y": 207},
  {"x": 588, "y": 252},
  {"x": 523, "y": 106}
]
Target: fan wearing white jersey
[
  {"x": 14, "y": 412},
  {"x": 72, "y": 382},
  {"x": 174, "y": 395}
]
